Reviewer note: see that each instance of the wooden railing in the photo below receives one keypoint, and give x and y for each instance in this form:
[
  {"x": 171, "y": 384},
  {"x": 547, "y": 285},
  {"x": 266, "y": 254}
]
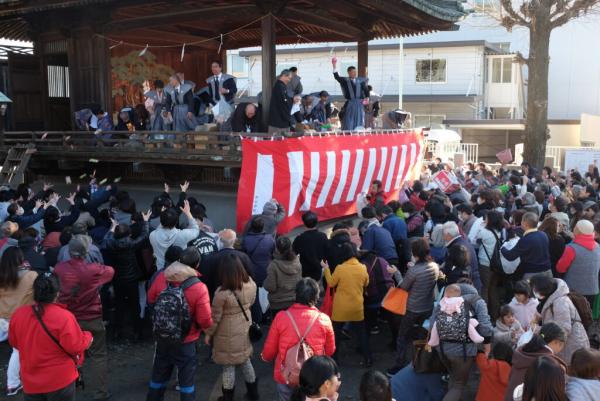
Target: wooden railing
[{"x": 164, "y": 147}]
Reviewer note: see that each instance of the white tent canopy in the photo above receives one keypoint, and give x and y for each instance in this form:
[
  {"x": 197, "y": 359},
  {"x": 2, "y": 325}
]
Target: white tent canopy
[{"x": 443, "y": 135}]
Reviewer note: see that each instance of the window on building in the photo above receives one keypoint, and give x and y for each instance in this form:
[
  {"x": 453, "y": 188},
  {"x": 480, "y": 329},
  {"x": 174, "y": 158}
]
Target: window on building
[
  {"x": 501, "y": 70},
  {"x": 426, "y": 121},
  {"x": 431, "y": 71},
  {"x": 58, "y": 81},
  {"x": 484, "y": 6},
  {"x": 237, "y": 66}
]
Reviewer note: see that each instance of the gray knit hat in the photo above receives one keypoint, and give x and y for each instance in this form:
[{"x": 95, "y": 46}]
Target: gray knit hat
[{"x": 78, "y": 247}]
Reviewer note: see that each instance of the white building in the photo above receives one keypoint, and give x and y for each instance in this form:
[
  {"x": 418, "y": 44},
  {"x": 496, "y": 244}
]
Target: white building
[
  {"x": 440, "y": 80},
  {"x": 454, "y": 75}
]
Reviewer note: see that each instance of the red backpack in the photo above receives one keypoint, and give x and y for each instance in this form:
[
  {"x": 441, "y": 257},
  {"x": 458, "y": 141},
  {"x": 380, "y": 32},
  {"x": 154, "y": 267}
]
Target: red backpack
[{"x": 297, "y": 354}]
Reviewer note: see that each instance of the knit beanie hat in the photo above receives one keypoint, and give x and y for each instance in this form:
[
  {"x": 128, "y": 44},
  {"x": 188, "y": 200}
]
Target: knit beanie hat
[
  {"x": 270, "y": 208},
  {"x": 585, "y": 227},
  {"x": 78, "y": 247}
]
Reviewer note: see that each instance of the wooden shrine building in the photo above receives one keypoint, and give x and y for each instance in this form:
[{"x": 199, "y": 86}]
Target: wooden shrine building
[
  {"x": 100, "y": 52},
  {"x": 82, "y": 48}
]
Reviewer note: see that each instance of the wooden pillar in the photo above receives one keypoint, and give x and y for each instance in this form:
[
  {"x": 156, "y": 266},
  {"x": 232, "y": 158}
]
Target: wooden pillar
[
  {"x": 363, "y": 58},
  {"x": 89, "y": 69},
  {"x": 268, "y": 64}
]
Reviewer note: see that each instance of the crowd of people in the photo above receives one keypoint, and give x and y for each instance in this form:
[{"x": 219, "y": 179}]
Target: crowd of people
[
  {"x": 501, "y": 276},
  {"x": 181, "y": 105}
]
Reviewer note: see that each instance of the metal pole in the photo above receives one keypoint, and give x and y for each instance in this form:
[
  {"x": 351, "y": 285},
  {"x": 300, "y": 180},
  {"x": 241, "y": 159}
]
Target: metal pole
[{"x": 401, "y": 73}]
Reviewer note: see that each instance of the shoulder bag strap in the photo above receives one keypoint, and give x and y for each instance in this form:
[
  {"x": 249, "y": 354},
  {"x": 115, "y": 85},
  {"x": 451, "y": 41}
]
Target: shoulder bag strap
[
  {"x": 287, "y": 312},
  {"x": 54, "y": 339},
  {"x": 310, "y": 326},
  {"x": 241, "y": 307}
]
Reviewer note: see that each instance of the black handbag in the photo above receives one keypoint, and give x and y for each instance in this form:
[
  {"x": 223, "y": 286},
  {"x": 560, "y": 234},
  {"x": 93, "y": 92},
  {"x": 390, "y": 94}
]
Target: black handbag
[
  {"x": 427, "y": 359},
  {"x": 79, "y": 383},
  {"x": 254, "y": 332}
]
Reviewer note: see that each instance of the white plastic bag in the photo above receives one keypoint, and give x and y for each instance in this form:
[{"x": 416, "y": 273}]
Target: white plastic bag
[
  {"x": 361, "y": 202},
  {"x": 525, "y": 338},
  {"x": 222, "y": 111},
  {"x": 510, "y": 266},
  {"x": 263, "y": 299},
  {"x": 3, "y": 330}
]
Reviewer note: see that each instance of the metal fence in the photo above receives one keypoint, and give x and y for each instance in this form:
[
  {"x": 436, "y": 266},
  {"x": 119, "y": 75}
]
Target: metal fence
[
  {"x": 555, "y": 155},
  {"x": 447, "y": 150}
]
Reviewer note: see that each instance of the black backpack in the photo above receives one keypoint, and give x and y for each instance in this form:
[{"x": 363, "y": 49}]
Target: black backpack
[
  {"x": 495, "y": 261},
  {"x": 171, "y": 319}
]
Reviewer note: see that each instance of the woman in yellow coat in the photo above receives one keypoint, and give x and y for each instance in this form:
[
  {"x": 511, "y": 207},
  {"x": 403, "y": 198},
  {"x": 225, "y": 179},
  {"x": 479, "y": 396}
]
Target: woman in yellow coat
[{"x": 350, "y": 280}]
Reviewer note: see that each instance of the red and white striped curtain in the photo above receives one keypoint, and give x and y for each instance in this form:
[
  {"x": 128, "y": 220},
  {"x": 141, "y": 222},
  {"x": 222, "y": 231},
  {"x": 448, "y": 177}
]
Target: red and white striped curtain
[{"x": 324, "y": 174}]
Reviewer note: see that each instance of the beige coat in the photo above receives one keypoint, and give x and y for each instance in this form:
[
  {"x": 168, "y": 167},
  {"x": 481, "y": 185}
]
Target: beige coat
[
  {"x": 231, "y": 344},
  {"x": 22, "y": 294}
]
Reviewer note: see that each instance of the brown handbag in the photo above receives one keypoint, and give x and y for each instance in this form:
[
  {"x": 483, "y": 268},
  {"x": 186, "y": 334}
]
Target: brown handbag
[{"x": 427, "y": 359}]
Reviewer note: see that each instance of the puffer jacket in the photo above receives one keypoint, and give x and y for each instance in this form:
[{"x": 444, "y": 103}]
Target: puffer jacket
[
  {"x": 583, "y": 389},
  {"x": 282, "y": 336},
  {"x": 259, "y": 247},
  {"x": 559, "y": 309},
  {"x": 231, "y": 344},
  {"x": 485, "y": 329},
  {"x": 282, "y": 277},
  {"x": 196, "y": 296},
  {"x": 122, "y": 255}
]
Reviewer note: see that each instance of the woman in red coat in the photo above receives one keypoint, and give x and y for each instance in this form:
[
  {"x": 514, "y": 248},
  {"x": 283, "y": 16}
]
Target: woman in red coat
[
  {"x": 282, "y": 335},
  {"x": 48, "y": 370}
]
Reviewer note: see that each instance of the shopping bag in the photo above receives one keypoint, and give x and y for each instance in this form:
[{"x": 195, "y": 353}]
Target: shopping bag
[
  {"x": 426, "y": 359},
  {"x": 327, "y": 306},
  {"x": 505, "y": 156},
  {"x": 395, "y": 301}
]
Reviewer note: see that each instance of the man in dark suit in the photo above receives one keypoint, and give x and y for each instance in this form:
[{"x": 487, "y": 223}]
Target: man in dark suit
[{"x": 220, "y": 84}]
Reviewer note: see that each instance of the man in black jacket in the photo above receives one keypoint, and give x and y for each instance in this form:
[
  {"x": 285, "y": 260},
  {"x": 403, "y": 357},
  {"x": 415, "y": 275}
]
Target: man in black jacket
[
  {"x": 281, "y": 105},
  {"x": 122, "y": 252}
]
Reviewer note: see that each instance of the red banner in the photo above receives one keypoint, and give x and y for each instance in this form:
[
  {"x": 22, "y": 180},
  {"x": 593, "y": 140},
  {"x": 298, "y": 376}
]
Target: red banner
[{"x": 324, "y": 174}]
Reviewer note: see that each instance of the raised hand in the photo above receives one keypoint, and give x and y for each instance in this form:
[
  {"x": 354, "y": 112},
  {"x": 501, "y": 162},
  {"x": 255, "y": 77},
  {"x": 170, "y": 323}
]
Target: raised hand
[
  {"x": 71, "y": 198},
  {"x": 184, "y": 187},
  {"x": 47, "y": 186},
  {"x": 167, "y": 188},
  {"x": 186, "y": 208},
  {"x": 146, "y": 216}
]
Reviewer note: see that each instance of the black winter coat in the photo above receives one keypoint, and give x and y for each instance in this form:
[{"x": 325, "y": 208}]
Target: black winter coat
[{"x": 122, "y": 253}]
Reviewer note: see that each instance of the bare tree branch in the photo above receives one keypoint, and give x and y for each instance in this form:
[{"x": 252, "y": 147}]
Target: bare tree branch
[
  {"x": 513, "y": 18},
  {"x": 573, "y": 11},
  {"x": 520, "y": 59}
]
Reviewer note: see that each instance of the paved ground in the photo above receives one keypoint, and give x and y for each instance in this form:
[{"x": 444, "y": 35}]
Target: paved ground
[{"x": 130, "y": 366}]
